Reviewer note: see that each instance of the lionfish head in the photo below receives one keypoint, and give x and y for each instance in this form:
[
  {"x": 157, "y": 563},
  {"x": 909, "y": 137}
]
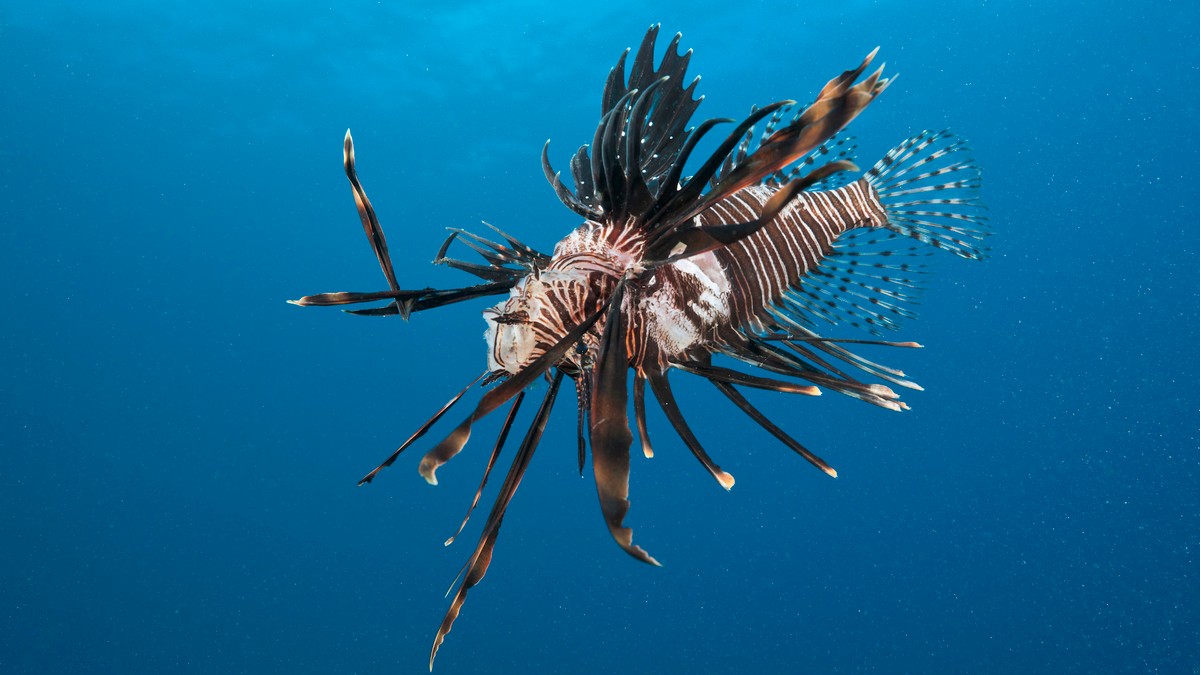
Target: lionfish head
[
  {"x": 521, "y": 328},
  {"x": 511, "y": 334}
]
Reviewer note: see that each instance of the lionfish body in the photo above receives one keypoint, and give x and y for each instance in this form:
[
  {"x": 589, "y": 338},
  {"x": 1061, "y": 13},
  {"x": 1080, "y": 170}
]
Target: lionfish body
[
  {"x": 741, "y": 258},
  {"x": 680, "y": 307}
]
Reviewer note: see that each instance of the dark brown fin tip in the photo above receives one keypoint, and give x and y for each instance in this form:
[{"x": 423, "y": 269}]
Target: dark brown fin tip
[{"x": 481, "y": 558}]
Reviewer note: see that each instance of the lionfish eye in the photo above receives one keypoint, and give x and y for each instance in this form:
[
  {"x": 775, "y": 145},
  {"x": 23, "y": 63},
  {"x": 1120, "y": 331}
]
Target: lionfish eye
[{"x": 581, "y": 348}]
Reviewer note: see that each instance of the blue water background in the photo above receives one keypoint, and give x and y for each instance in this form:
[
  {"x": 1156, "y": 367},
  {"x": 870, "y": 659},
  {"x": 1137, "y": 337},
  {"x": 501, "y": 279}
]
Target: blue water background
[{"x": 179, "y": 447}]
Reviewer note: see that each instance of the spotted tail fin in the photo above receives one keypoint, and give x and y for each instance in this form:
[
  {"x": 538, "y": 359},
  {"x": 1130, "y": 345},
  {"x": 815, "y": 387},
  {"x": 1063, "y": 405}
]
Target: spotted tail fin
[{"x": 928, "y": 186}]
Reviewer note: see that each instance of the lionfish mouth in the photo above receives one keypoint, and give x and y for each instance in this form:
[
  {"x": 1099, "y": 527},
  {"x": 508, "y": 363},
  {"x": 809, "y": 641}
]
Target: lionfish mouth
[{"x": 743, "y": 259}]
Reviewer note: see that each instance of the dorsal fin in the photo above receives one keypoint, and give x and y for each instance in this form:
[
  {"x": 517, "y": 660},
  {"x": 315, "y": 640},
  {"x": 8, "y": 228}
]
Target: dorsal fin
[
  {"x": 632, "y": 174},
  {"x": 633, "y": 171},
  {"x": 643, "y": 128}
]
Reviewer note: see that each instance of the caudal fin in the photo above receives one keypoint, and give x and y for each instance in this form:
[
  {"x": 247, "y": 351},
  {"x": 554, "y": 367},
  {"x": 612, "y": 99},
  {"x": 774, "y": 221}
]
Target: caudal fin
[{"x": 928, "y": 185}]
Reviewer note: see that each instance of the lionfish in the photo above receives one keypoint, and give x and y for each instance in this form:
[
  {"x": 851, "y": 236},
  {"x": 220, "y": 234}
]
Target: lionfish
[{"x": 743, "y": 257}]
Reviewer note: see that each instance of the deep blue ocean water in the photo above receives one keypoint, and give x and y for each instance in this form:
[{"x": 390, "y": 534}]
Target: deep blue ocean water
[{"x": 179, "y": 447}]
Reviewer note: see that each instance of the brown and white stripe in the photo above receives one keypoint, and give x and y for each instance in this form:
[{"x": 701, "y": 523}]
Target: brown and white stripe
[
  {"x": 763, "y": 266},
  {"x": 687, "y": 302}
]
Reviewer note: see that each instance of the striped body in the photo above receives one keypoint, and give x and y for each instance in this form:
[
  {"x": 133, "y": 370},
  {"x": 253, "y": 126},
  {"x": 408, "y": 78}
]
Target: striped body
[{"x": 682, "y": 306}]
